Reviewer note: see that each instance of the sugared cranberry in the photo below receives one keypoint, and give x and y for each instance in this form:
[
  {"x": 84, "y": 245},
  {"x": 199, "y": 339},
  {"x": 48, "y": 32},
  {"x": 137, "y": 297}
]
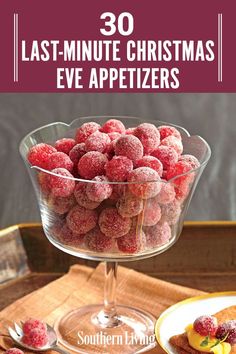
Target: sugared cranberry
[
  {"x": 148, "y": 182},
  {"x": 118, "y": 168},
  {"x": 92, "y": 164},
  {"x": 61, "y": 183},
  {"x": 81, "y": 220},
  {"x": 205, "y": 325},
  {"x": 38, "y": 155},
  {"x": 129, "y": 146},
  {"x": 113, "y": 125},
  {"x": 65, "y": 145},
  {"x": 149, "y": 136},
  {"x": 85, "y": 131},
  {"x": 112, "y": 224}
]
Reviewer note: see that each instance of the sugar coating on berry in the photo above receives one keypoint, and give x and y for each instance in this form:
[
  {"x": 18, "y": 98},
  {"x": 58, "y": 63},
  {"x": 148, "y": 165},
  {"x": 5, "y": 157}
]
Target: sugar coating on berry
[
  {"x": 82, "y": 197},
  {"x": 118, "y": 168},
  {"x": 43, "y": 182},
  {"x": 114, "y": 135},
  {"x": 113, "y": 125},
  {"x": 81, "y": 220},
  {"x": 180, "y": 168},
  {"x": 129, "y": 146},
  {"x": 133, "y": 242},
  {"x": 92, "y": 164},
  {"x": 60, "y": 160},
  {"x": 112, "y": 224},
  {"x": 99, "y": 190},
  {"x": 68, "y": 237},
  {"x": 174, "y": 143},
  {"x": 65, "y": 145},
  {"x": 191, "y": 160},
  {"x": 85, "y": 130},
  {"x": 148, "y": 182},
  {"x": 167, "y": 130},
  {"x": 149, "y": 136},
  {"x": 96, "y": 241},
  {"x": 151, "y": 212},
  {"x": 77, "y": 152},
  {"x": 129, "y": 205},
  {"x": 33, "y": 323},
  {"x": 152, "y": 162},
  {"x": 166, "y": 194},
  {"x": 205, "y": 325},
  {"x": 37, "y": 338},
  {"x": 118, "y": 190},
  {"x": 61, "y": 205},
  {"x": 14, "y": 351},
  {"x": 38, "y": 155},
  {"x": 130, "y": 131},
  {"x": 232, "y": 337},
  {"x": 61, "y": 186},
  {"x": 158, "y": 235},
  {"x": 97, "y": 142},
  {"x": 166, "y": 154},
  {"x": 182, "y": 188},
  {"x": 171, "y": 212},
  {"x": 225, "y": 329}
]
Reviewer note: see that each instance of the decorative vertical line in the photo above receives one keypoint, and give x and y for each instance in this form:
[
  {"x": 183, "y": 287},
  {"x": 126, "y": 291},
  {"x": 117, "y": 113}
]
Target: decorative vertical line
[
  {"x": 220, "y": 56},
  {"x": 15, "y": 44}
]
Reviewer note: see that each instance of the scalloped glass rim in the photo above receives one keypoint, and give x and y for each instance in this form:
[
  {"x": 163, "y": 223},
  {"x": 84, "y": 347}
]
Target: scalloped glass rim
[{"x": 155, "y": 122}]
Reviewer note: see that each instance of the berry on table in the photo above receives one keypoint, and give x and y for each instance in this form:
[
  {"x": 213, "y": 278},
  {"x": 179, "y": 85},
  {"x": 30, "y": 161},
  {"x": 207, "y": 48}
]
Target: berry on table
[
  {"x": 14, "y": 351},
  {"x": 227, "y": 330},
  {"x": 205, "y": 325},
  {"x": 85, "y": 131},
  {"x": 61, "y": 183},
  {"x": 92, "y": 164},
  {"x": 65, "y": 145},
  {"x": 112, "y": 224},
  {"x": 81, "y": 220},
  {"x": 38, "y": 155},
  {"x": 149, "y": 136},
  {"x": 129, "y": 146},
  {"x": 118, "y": 168},
  {"x": 148, "y": 182}
]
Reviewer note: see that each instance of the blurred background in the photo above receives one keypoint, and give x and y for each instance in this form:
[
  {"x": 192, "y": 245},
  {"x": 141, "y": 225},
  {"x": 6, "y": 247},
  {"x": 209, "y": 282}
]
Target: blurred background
[{"x": 212, "y": 116}]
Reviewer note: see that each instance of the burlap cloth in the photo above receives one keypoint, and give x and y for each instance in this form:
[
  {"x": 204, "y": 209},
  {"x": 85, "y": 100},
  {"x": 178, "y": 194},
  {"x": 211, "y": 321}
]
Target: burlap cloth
[{"x": 82, "y": 286}]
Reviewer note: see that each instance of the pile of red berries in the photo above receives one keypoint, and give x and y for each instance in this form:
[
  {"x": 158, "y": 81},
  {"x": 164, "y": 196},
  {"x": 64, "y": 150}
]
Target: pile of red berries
[
  {"x": 127, "y": 198},
  {"x": 208, "y": 326}
]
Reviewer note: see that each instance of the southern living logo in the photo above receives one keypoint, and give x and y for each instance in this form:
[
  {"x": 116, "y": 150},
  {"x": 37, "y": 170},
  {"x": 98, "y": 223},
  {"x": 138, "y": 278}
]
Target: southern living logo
[{"x": 104, "y": 339}]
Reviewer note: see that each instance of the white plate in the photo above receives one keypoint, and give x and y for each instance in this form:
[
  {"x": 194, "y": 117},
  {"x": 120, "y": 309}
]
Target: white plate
[{"x": 174, "y": 320}]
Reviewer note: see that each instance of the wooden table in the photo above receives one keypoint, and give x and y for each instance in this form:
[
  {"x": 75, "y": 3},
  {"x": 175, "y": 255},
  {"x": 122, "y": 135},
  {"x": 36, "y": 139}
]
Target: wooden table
[{"x": 203, "y": 258}]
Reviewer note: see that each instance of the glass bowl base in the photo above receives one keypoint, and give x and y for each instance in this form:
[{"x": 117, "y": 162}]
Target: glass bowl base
[{"x": 132, "y": 332}]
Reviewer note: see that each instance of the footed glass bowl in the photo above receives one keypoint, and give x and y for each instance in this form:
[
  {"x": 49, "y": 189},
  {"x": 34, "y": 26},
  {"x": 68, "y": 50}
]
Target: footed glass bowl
[{"x": 111, "y": 221}]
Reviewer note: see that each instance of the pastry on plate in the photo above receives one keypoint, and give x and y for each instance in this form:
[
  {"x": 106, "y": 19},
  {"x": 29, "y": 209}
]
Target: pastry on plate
[{"x": 209, "y": 334}]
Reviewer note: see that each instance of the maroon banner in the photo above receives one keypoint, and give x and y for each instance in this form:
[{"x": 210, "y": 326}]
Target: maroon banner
[{"x": 117, "y": 46}]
